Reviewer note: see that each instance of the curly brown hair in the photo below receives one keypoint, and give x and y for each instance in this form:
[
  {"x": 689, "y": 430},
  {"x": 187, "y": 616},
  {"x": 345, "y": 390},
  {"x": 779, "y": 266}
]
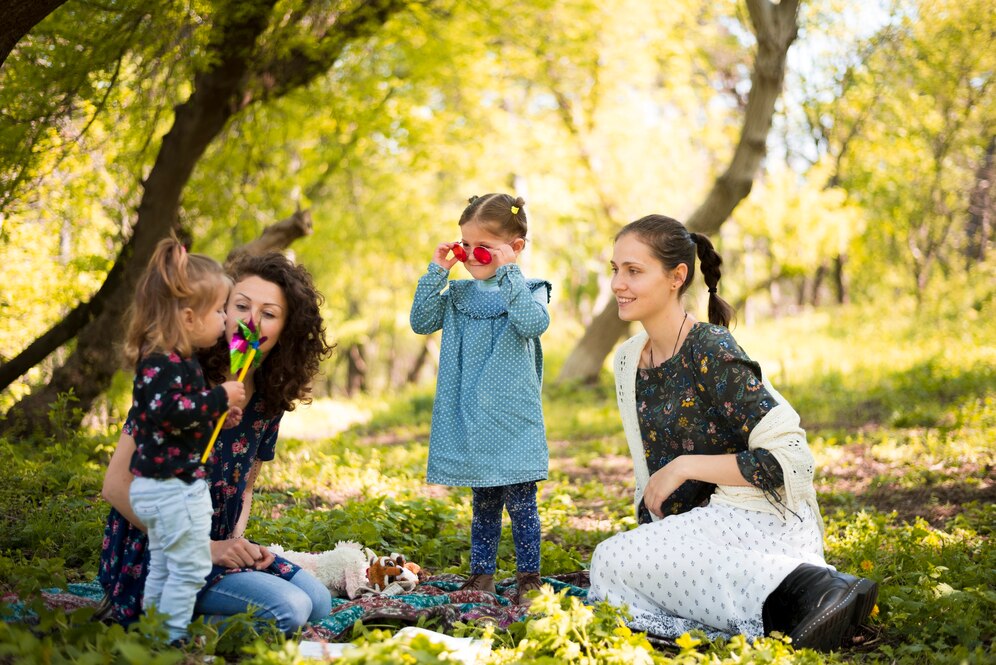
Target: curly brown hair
[{"x": 286, "y": 374}]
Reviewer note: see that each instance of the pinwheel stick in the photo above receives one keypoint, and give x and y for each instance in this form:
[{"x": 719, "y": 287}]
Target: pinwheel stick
[{"x": 221, "y": 421}]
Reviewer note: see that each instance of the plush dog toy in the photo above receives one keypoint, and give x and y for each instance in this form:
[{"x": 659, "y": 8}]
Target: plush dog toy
[{"x": 343, "y": 569}]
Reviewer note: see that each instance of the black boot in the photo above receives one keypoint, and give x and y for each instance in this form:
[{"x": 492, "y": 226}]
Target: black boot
[{"x": 816, "y": 606}]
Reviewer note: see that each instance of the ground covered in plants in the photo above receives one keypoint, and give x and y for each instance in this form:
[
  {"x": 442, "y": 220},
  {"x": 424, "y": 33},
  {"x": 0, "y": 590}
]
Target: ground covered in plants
[{"x": 902, "y": 423}]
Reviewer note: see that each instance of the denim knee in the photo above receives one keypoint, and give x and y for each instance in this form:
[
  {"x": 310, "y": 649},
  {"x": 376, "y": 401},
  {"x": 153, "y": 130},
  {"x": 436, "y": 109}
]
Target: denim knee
[
  {"x": 321, "y": 598},
  {"x": 292, "y": 611}
]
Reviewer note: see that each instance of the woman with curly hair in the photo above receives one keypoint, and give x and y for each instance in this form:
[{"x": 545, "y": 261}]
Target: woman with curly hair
[{"x": 281, "y": 299}]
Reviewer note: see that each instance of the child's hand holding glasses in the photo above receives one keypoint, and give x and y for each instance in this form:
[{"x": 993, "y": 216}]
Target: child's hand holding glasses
[
  {"x": 442, "y": 258},
  {"x": 501, "y": 255}
]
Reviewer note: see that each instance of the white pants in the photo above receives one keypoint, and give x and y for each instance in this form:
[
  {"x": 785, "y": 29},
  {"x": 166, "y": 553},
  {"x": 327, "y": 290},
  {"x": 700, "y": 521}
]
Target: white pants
[
  {"x": 178, "y": 517},
  {"x": 709, "y": 569}
]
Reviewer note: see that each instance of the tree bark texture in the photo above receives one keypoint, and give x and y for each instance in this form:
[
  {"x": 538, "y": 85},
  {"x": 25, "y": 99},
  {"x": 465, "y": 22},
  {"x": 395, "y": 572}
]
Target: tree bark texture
[
  {"x": 17, "y": 17},
  {"x": 232, "y": 81},
  {"x": 775, "y": 26},
  {"x": 979, "y": 230},
  {"x": 197, "y": 121},
  {"x": 276, "y": 236}
]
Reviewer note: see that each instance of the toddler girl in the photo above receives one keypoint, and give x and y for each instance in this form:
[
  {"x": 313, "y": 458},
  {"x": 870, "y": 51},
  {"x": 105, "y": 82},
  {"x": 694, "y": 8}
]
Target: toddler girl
[
  {"x": 179, "y": 306},
  {"x": 487, "y": 419}
]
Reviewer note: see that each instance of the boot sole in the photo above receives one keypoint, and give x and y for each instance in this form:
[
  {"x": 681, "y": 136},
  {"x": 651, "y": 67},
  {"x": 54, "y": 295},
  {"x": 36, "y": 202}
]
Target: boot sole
[
  {"x": 825, "y": 629},
  {"x": 867, "y": 597}
]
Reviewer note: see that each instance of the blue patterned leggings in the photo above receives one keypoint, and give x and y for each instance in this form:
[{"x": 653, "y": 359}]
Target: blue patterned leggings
[{"x": 485, "y": 530}]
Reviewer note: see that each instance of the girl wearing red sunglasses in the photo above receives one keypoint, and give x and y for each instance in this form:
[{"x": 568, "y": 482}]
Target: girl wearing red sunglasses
[{"x": 487, "y": 418}]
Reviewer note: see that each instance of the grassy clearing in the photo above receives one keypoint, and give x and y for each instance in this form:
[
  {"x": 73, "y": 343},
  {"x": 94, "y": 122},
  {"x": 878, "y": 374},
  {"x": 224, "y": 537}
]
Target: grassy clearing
[{"x": 902, "y": 422}]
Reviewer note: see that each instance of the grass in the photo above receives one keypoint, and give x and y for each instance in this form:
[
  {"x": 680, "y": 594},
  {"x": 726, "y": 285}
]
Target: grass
[{"x": 902, "y": 421}]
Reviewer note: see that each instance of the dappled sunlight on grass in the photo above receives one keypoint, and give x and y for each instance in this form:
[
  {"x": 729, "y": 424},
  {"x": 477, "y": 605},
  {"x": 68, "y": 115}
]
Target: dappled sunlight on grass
[
  {"x": 843, "y": 368},
  {"x": 902, "y": 430},
  {"x": 323, "y": 418}
]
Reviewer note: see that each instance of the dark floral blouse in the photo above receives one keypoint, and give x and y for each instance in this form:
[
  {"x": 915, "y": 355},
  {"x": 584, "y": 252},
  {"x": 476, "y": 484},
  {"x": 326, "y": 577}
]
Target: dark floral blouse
[
  {"x": 124, "y": 558},
  {"x": 705, "y": 400},
  {"x": 173, "y": 413}
]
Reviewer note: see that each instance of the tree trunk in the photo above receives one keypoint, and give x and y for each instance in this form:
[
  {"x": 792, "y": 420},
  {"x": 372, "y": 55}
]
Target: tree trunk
[
  {"x": 817, "y": 284},
  {"x": 19, "y": 16},
  {"x": 980, "y": 210},
  {"x": 585, "y": 361},
  {"x": 215, "y": 97},
  {"x": 839, "y": 280},
  {"x": 356, "y": 370},
  {"x": 420, "y": 360},
  {"x": 775, "y": 26},
  {"x": 230, "y": 83}
]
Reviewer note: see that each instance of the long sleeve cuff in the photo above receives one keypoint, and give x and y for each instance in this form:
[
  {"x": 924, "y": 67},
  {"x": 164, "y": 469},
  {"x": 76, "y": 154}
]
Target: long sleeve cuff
[{"x": 436, "y": 269}]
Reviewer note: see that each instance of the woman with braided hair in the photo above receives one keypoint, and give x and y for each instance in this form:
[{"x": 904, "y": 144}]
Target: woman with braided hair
[{"x": 730, "y": 537}]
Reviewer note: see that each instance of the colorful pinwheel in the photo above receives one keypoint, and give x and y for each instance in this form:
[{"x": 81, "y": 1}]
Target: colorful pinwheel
[
  {"x": 244, "y": 348},
  {"x": 244, "y": 354}
]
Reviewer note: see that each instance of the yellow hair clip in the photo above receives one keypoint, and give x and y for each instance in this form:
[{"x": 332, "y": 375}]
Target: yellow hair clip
[{"x": 514, "y": 210}]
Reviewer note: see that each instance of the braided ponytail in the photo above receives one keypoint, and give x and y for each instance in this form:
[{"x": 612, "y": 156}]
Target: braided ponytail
[
  {"x": 672, "y": 244},
  {"x": 720, "y": 312}
]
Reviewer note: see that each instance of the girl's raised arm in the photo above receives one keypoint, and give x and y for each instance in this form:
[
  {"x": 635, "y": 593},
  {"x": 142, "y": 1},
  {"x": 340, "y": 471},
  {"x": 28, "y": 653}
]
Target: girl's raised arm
[
  {"x": 527, "y": 311},
  {"x": 430, "y": 302}
]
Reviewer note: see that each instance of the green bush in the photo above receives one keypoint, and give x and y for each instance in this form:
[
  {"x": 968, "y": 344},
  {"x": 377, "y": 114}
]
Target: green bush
[{"x": 890, "y": 412}]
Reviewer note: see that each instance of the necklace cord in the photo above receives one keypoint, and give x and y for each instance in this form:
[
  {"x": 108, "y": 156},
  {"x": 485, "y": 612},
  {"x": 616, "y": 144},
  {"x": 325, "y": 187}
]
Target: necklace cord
[{"x": 676, "y": 340}]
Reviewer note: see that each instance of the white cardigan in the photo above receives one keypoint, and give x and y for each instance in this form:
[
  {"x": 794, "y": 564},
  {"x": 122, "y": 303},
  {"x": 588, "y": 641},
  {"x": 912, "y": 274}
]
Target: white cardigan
[{"x": 778, "y": 432}]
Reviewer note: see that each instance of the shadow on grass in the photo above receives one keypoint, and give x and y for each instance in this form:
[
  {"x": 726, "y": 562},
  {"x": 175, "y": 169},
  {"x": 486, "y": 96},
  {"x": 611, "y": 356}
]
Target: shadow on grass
[{"x": 920, "y": 396}]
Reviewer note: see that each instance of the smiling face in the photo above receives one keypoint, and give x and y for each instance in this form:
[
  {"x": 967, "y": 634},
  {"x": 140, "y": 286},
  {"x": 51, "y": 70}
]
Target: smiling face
[
  {"x": 264, "y": 302},
  {"x": 475, "y": 235},
  {"x": 643, "y": 287}
]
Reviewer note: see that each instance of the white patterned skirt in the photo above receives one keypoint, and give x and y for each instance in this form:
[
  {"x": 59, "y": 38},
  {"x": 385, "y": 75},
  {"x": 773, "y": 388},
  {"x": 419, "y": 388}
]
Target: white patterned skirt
[{"x": 709, "y": 569}]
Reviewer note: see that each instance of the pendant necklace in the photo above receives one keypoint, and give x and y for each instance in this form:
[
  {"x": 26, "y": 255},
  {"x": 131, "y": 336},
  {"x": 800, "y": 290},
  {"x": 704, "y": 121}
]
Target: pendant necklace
[{"x": 675, "y": 349}]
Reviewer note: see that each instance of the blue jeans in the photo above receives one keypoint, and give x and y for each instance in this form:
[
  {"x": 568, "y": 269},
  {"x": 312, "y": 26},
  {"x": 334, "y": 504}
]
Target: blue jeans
[
  {"x": 178, "y": 517},
  {"x": 291, "y": 604},
  {"x": 485, "y": 529}
]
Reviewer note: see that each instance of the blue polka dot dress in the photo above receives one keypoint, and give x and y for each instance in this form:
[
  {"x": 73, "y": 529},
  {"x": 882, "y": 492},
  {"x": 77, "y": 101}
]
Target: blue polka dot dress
[{"x": 487, "y": 419}]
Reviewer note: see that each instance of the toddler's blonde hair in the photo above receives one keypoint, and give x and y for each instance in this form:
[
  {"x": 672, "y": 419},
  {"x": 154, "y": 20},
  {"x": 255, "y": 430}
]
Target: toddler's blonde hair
[{"x": 174, "y": 280}]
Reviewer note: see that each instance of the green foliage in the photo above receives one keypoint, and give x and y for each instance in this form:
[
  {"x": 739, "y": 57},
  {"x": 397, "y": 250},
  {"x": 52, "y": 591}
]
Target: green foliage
[
  {"x": 49, "y": 483},
  {"x": 56, "y": 637},
  {"x": 933, "y": 561}
]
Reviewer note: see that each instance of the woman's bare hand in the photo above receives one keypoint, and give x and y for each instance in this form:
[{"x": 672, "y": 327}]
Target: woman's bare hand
[
  {"x": 238, "y": 553},
  {"x": 268, "y": 558},
  {"x": 662, "y": 485}
]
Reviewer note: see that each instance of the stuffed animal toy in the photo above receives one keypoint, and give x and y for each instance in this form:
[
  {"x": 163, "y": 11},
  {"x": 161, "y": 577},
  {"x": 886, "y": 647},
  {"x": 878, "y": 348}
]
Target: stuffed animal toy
[
  {"x": 343, "y": 569},
  {"x": 392, "y": 574},
  {"x": 416, "y": 570}
]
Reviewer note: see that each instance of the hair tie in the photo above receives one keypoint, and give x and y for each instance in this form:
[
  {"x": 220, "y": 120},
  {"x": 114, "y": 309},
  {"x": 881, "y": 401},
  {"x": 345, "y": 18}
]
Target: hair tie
[
  {"x": 515, "y": 210},
  {"x": 712, "y": 289}
]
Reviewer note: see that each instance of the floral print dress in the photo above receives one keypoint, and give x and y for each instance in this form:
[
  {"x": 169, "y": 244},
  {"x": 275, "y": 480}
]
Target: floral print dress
[
  {"x": 707, "y": 565},
  {"x": 124, "y": 557},
  {"x": 705, "y": 400}
]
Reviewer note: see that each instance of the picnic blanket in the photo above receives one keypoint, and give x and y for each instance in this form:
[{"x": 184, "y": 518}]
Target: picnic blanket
[
  {"x": 438, "y": 598},
  {"x": 75, "y": 596}
]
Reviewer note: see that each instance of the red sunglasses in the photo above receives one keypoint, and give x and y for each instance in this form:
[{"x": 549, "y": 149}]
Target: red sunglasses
[{"x": 482, "y": 254}]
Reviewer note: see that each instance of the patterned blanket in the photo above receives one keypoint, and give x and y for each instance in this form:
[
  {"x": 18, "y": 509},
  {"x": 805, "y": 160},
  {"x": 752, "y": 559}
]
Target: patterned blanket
[
  {"x": 438, "y": 598},
  {"x": 74, "y": 597}
]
